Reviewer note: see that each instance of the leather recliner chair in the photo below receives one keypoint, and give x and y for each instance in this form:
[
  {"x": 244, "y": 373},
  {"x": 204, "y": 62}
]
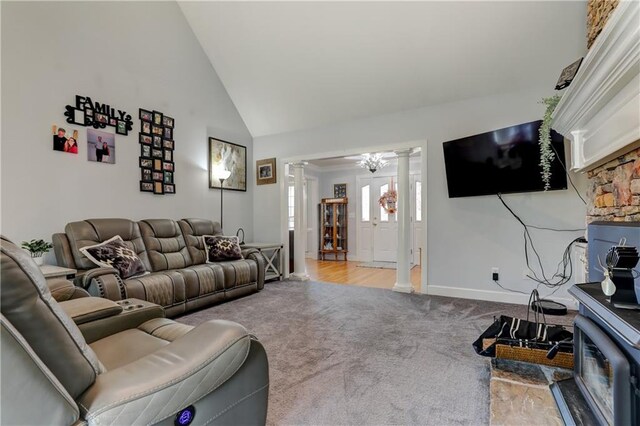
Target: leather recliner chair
[{"x": 154, "y": 370}]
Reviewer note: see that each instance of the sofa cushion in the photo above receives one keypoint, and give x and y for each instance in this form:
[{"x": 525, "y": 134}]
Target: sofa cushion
[
  {"x": 201, "y": 280},
  {"x": 165, "y": 244},
  {"x": 193, "y": 231},
  {"x": 238, "y": 272},
  {"x": 94, "y": 231},
  {"x": 113, "y": 253},
  {"x": 166, "y": 288},
  {"x": 221, "y": 248}
]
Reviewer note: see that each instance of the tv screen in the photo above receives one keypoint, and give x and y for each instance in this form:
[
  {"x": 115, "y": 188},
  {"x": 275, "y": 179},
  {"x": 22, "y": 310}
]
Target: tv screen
[{"x": 502, "y": 161}]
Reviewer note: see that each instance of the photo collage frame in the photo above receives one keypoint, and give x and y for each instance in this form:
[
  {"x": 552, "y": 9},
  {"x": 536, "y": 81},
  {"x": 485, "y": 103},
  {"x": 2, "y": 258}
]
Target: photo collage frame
[{"x": 157, "y": 166}]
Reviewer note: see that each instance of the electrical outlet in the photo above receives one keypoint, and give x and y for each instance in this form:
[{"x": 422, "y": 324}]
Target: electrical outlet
[{"x": 495, "y": 274}]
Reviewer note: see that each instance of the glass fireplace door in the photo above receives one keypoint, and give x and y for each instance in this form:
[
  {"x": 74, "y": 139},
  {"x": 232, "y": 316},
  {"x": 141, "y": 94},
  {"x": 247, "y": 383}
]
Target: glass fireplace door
[{"x": 602, "y": 373}]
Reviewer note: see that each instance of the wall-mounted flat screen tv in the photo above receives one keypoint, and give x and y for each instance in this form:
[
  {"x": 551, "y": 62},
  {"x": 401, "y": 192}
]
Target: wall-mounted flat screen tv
[{"x": 502, "y": 161}]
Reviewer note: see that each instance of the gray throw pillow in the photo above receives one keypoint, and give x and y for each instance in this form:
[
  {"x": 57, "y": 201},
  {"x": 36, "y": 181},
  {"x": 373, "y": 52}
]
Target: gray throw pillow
[
  {"x": 220, "y": 248},
  {"x": 113, "y": 253}
]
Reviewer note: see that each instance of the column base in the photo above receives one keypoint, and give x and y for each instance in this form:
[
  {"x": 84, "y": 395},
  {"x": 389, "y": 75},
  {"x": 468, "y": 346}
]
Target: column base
[
  {"x": 296, "y": 276},
  {"x": 403, "y": 288}
]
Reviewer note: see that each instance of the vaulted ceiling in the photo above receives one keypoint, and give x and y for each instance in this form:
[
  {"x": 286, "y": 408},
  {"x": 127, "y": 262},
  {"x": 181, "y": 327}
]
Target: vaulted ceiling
[{"x": 290, "y": 66}]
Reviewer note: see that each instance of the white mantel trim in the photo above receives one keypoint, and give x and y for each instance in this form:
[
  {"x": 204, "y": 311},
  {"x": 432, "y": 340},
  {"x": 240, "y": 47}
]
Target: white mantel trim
[{"x": 600, "y": 111}]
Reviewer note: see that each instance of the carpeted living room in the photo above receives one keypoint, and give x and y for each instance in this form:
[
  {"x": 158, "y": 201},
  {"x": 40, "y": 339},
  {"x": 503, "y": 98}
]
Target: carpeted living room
[{"x": 320, "y": 213}]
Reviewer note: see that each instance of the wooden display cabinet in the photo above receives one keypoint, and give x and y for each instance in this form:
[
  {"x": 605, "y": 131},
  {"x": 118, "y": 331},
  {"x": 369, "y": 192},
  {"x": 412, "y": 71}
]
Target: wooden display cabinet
[{"x": 334, "y": 218}]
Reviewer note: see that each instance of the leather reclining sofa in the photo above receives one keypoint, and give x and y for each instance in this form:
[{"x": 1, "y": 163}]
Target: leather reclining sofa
[
  {"x": 90, "y": 360},
  {"x": 173, "y": 251}
]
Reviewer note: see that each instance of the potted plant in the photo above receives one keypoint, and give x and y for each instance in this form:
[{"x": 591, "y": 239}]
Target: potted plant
[
  {"x": 546, "y": 150},
  {"x": 37, "y": 248}
]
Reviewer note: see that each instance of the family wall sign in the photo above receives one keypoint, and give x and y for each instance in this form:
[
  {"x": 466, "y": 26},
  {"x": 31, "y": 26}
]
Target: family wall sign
[{"x": 86, "y": 112}]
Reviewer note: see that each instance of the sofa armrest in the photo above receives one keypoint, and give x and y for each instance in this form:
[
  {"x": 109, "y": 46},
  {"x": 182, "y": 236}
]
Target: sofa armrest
[
  {"x": 134, "y": 312},
  {"x": 258, "y": 257},
  {"x": 62, "y": 289},
  {"x": 87, "y": 276},
  {"x": 89, "y": 309},
  {"x": 164, "y": 382},
  {"x": 104, "y": 282}
]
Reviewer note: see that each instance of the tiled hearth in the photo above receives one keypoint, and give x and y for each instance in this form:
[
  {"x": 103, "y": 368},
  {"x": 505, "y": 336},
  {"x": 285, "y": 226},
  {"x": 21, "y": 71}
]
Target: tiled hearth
[
  {"x": 520, "y": 393},
  {"x": 614, "y": 190}
]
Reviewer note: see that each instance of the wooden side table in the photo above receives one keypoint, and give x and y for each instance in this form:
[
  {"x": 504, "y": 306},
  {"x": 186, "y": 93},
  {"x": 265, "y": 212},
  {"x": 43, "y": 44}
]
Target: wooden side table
[
  {"x": 272, "y": 253},
  {"x": 52, "y": 271}
]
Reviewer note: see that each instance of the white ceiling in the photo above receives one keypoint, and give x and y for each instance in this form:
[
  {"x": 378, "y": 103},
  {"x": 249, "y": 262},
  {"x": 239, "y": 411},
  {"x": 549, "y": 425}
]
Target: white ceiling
[{"x": 290, "y": 66}]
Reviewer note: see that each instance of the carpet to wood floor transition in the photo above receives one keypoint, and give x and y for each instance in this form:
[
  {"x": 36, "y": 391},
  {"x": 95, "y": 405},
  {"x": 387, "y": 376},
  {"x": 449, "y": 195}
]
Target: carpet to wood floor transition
[{"x": 354, "y": 355}]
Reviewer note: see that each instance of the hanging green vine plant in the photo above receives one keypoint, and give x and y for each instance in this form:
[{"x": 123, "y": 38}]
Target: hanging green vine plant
[{"x": 546, "y": 150}]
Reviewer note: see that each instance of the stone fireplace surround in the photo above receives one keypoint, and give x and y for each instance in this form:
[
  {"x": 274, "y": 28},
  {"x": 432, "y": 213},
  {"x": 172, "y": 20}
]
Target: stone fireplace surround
[{"x": 614, "y": 190}]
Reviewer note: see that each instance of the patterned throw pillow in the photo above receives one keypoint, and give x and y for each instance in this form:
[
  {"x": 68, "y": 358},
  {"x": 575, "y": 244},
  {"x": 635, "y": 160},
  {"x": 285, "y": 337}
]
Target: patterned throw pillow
[
  {"x": 221, "y": 248},
  {"x": 113, "y": 253}
]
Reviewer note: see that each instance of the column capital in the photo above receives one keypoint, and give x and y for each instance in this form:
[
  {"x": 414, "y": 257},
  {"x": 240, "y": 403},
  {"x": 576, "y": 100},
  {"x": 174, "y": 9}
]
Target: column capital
[
  {"x": 403, "y": 152},
  {"x": 298, "y": 164}
]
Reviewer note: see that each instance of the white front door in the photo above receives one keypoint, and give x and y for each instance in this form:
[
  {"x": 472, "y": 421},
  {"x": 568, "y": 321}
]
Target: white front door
[{"x": 385, "y": 226}]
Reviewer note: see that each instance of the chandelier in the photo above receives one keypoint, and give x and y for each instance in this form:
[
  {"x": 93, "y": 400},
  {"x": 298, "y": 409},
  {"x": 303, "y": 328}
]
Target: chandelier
[{"x": 372, "y": 162}]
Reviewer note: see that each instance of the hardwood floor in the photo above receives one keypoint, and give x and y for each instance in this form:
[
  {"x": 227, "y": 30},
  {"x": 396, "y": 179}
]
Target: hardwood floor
[{"x": 349, "y": 273}]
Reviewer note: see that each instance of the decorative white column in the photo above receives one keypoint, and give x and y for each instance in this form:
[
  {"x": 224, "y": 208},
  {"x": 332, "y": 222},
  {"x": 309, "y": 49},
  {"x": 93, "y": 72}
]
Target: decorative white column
[
  {"x": 403, "y": 280},
  {"x": 299, "y": 226}
]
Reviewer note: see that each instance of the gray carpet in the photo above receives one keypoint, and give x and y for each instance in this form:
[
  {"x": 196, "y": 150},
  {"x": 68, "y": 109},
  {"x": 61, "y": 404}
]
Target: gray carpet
[{"x": 353, "y": 355}]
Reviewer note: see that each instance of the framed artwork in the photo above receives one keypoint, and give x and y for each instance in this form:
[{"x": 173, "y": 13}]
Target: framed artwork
[
  {"x": 146, "y": 174},
  {"x": 146, "y": 186},
  {"x": 567, "y": 74},
  {"x": 266, "y": 171},
  {"x": 146, "y": 115},
  {"x": 232, "y": 157},
  {"x": 157, "y": 118},
  {"x": 340, "y": 190},
  {"x": 156, "y": 152},
  {"x": 101, "y": 146},
  {"x": 65, "y": 140},
  {"x": 90, "y": 113},
  {"x": 167, "y": 121}
]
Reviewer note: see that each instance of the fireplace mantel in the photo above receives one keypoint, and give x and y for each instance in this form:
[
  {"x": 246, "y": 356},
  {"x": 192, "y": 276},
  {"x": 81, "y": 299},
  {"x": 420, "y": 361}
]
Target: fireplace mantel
[{"x": 600, "y": 111}]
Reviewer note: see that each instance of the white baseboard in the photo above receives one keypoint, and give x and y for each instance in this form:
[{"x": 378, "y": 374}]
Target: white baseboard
[{"x": 491, "y": 295}]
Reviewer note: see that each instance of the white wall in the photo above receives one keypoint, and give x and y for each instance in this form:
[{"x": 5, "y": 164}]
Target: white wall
[
  {"x": 130, "y": 55},
  {"x": 466, "y": 236}
]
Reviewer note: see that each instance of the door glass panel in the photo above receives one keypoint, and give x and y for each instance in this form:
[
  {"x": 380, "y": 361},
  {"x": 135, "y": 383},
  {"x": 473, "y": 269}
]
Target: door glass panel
[
  {"x": 365, "y": 204},
  {"x": 384, "y": 216},
  {"x": 395, "y": 216},
  {"x": 291, "y": 206},
  {"x": 418, "y": 201}
]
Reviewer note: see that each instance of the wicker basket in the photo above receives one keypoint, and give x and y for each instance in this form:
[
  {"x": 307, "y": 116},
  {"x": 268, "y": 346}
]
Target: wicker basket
[
  {"x": 598, "y": 12},
  {"x": 533, "y": 356}
]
